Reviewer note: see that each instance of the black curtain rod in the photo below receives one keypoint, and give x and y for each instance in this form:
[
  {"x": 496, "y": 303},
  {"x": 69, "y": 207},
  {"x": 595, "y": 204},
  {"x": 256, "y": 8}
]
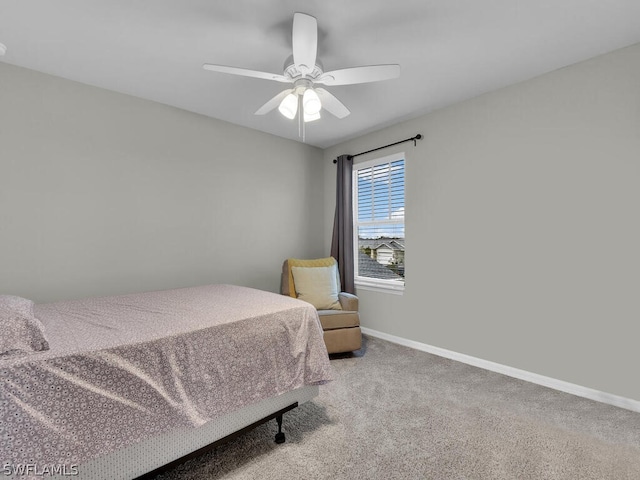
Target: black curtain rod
[{"x": 412, "y": 139}]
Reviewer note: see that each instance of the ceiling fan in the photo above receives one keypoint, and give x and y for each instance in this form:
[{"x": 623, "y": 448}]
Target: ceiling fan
[{"x": 304, "y": 71}]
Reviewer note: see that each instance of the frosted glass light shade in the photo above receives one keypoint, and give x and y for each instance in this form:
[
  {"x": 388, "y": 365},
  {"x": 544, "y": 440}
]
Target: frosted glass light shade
[
  {"x": 311, "y": 102},
  {"x": 289, "y": 106},
  {"x": 310, "y": 118}
]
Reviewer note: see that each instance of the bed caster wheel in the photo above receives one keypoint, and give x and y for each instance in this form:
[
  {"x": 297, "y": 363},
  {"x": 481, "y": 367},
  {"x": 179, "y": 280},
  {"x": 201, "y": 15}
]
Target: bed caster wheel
[{"x": 279, "y": 436}]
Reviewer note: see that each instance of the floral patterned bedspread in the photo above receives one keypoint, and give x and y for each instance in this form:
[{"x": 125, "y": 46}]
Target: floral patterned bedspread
[{"x": 123, "y": 368}]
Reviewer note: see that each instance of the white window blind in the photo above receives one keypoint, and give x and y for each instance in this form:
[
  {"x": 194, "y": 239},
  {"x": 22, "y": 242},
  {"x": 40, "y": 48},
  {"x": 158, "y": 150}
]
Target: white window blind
[{"x": 379, "y": 237}]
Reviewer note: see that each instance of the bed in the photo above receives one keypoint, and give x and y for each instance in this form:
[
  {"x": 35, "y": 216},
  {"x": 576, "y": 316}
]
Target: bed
[{"x": 133, "y": 382}]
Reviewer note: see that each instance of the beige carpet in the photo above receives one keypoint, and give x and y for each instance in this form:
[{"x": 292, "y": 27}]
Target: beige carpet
[{"x": 398, "y": 413}]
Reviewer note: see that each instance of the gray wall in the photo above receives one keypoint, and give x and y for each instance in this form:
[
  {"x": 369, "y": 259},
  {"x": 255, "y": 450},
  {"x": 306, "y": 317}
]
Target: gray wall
[
  {"x": 102, "y": 193},
  {"x": 523, "y": 239},
  {"x": 522, "y": 209}
]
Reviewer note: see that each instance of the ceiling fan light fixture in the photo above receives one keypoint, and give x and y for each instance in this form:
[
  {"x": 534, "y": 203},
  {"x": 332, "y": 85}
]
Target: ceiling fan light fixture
[
  {"x": 311, "y": 102},
  {"x": 309, "y": 117},
  {"x": 289, "y": 106},
  {"x": 304, "y": 73}
]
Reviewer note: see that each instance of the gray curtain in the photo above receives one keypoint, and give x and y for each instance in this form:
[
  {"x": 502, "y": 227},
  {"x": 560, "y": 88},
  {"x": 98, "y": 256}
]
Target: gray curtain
[{"x": 342, "y": 241}]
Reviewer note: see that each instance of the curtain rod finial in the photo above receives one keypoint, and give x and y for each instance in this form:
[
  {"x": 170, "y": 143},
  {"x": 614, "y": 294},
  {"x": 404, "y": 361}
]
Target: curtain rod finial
[{"x": 349, "y": 157}]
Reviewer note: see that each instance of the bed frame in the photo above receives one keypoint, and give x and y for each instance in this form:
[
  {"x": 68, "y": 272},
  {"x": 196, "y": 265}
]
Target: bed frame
[{"x": 148, "y": 458}]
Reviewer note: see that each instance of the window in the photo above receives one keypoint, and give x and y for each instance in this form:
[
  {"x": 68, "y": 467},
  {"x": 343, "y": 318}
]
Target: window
[{"x": 378, "y": 223}]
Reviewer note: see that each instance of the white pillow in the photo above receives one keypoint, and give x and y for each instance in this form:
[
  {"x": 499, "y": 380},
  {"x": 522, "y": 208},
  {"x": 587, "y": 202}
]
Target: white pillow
[{"x": 318, "y": 286}]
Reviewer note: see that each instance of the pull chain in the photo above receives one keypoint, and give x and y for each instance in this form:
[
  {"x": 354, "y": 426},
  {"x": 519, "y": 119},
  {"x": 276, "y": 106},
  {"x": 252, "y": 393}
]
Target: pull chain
[
  {"x": 299, "y": 118},
  {"x": 301, "y": 123}
]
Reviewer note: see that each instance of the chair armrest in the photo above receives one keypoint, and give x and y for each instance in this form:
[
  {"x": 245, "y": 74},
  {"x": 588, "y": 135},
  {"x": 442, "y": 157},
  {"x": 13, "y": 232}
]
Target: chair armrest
[{"x": 348, "y": 301}]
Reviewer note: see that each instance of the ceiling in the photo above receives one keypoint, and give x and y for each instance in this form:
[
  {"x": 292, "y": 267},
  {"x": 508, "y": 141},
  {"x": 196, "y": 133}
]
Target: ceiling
[{"x": 448, "y": 50}]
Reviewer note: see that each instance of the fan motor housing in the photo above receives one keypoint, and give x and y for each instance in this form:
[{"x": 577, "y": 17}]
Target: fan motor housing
[{"x": 292, "y": 72}]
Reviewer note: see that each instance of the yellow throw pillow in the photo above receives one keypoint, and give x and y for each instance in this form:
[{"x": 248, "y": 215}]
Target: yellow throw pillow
[{"x": 317, "y": 286}]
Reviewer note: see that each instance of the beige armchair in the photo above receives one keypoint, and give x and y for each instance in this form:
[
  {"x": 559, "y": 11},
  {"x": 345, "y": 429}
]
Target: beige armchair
[{"x": 341, "y": 327}]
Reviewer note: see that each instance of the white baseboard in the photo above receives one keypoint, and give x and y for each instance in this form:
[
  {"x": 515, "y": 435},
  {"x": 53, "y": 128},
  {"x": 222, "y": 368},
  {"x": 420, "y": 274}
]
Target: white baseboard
[{"x": 572, "y": 388}]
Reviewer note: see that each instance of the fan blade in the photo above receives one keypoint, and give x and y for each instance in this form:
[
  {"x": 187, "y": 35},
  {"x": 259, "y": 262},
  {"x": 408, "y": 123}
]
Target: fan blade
[
  {"x": 305, "y": 42},
  {"x": 331, "y": 104},
  {"x": 349, "y": 76},
  {"x": 274, "y": 102},
  {"x": 246, "y": 73}
]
